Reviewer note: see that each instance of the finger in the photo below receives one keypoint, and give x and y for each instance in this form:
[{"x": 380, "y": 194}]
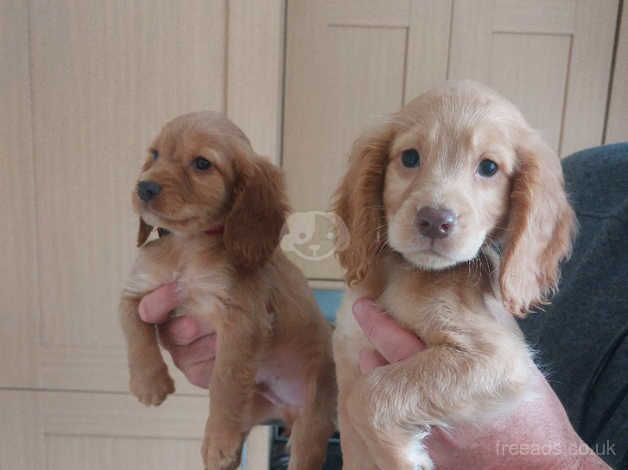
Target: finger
[
  {"x": 370, "y": 359},
  {"x": 184, "y": 330},
  {"x": 201, "y": 350},
  {"x": 392, "y": 341},
  {"x": 157, "y": 305}
]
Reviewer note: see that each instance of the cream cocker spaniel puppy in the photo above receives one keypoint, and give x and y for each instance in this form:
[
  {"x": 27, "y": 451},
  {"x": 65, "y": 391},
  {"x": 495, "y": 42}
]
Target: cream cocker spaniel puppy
[{"x": 458, "y": 221}]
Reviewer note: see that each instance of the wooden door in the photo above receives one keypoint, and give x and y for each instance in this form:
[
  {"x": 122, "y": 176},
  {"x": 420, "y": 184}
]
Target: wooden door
[
  {"x": 345, "y": 67},
  {"x": 617, "y": 125},
  {"x": 85, "y": 86},
  {"x": 552, "y": 58},
  {"x": 69, "y": 430},
  {"x": 349, "y": 63}
]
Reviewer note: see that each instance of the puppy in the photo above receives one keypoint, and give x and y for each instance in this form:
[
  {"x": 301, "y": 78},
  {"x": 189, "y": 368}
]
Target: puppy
[
  {"x": 224, "y": 207},
  {"x": 458, "y": 221}
]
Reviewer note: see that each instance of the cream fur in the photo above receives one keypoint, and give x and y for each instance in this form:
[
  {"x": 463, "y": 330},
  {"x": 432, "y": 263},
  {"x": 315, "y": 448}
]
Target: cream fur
[{"x": 456, "y": 293}]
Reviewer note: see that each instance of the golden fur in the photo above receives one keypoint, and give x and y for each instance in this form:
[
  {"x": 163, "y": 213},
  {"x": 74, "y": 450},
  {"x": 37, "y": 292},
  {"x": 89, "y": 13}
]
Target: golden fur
[
  {"x": 458, "y": 293},
  {"x": 225, "y": 223}
]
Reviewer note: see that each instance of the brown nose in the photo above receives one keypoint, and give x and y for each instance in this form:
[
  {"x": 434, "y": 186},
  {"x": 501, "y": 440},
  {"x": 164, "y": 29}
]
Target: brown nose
[
  {"x": 147, "y": 190},
  {"x": 435, "y": 223}
]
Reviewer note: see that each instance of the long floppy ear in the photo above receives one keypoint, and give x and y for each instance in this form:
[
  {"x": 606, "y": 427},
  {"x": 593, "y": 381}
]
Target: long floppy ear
[
  {"x": 359, "y": 202},
  {"x": 258, "y": 213},
  {"x": 540, "y": 229},
  {"x": 143, "y": 232}
]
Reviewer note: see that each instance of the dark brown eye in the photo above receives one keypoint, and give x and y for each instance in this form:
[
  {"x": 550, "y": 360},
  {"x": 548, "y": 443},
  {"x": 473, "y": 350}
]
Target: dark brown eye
[
  {"x": 487, "y": 168},
  {"x": 154, "y": 153},
  {"x": 201, "y": 164},
  {"x": 410, "y": 158}
]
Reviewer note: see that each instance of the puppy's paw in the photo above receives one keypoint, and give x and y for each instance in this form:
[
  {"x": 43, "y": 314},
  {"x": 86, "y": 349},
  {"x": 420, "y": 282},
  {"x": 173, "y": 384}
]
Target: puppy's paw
[
  {"x": 151, "y": 387},
  {"x": 220, "y": 455}
]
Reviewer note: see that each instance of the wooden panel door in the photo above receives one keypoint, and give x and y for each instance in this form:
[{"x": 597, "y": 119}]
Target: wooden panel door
[
  {"x": 72, "y": 431},
  {"x": 85, "y": 86},
  {"x": 349, "y": 63},
  {"x": 552, "y": 58},
  {"x": 105, "y": 77},
  {"x": 617, "y": 125},
  {"x": 18, "y": 269},
  {"x": 43, "y": 430},
  {"x": 88, "y": 85}
]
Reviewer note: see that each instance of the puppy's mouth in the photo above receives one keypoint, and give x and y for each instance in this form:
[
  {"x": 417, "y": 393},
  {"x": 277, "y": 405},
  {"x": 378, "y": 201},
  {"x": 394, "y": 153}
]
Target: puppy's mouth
[
  {"x": 157, "y": 218},
  {"x": 432, "y": 251}
]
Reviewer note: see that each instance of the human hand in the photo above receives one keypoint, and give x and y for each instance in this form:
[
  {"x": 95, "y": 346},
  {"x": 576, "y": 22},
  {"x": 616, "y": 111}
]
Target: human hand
[
  {"x": 537, "y": 434},
  {"x": 190, "y": 342}
]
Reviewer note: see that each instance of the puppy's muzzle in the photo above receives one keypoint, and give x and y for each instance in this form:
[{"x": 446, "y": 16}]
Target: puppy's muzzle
[
  {"x": 148, "y": 190},
  {"x": 435, "y": 223}
]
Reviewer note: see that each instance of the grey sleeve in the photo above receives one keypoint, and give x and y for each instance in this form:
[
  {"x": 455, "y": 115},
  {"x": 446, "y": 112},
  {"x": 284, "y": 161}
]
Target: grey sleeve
[{"x": 582, "y": 337}]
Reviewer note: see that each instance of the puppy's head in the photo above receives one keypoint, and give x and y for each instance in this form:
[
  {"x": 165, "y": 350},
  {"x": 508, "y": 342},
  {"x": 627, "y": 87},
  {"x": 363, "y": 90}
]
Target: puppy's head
[
  {"x": 456, "y": 168},
  {"x": 201, "y": 174}
]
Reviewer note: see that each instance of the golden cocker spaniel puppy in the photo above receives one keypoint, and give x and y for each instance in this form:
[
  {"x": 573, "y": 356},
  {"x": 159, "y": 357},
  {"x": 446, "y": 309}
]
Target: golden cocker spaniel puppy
[
  {"x": 224, "y": 207},
  {"x": 458, "y": 221}
]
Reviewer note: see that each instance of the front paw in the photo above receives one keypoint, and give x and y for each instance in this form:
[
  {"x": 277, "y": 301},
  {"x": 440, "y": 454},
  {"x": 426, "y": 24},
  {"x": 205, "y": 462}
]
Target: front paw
[
  {"x": 151, "y": 387},
  {"x": 221, "y": 455}
]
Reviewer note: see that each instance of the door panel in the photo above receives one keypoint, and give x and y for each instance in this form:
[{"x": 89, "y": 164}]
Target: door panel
[
  {"x": 528, "y": 86},
  {"x": 551, "y": 58},
  {"x": 54, "y": 431},
  {"x": 345, "y": 68},
  {"x": 104, "y": 77},
  {"x": 617, "y": 126},
  {"x": 348, "y": 66},
  {"x": 104, "y": 81},
  {"x": 101, "y": 431},
  {"x": 18, "y": 275}
]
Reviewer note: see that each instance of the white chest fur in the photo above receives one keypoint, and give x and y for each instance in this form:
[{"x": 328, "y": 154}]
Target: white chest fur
[{"x": 196, "y": 264}]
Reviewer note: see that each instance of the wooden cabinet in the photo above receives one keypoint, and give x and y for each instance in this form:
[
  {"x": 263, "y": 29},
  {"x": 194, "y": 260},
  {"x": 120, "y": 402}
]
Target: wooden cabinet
[
  {"x": 349, "y": 63},
  {"x": 70, "y": 430},
  {"x": 74, "y": 430},
  {"x": 86, "y": 85},
  {"x": 617, "y": 126},
  {"x": 552, "y": 58}
]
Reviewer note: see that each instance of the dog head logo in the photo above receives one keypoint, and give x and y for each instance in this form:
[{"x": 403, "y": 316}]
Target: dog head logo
[{"x": 315, "y": 235}]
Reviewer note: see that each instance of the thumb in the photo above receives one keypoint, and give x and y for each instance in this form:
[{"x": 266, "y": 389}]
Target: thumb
[{"x": 156, "y": 306}]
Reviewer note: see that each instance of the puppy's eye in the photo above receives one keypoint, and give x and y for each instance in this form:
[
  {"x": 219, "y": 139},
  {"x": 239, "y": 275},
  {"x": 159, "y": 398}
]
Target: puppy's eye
[
  {"x": 154, "y": 153},
  {"x": 487, "y": 168},
  {"x": 410, "y": 158},
  {"x": 201, "y": 163}
]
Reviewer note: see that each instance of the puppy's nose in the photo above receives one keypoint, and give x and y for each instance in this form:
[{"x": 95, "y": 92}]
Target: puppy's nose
[
  {"x": 148, "y": 190},
  {"x": 435, "y": 223}
]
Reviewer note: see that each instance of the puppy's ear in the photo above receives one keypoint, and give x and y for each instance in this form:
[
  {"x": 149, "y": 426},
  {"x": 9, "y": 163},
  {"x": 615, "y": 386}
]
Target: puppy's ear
[
  {"x": 143, "y": 232},
  {"x": 258, "y": 213},
  {"x": 359, "y": 202},
  {"x": 540, "y": 229}
]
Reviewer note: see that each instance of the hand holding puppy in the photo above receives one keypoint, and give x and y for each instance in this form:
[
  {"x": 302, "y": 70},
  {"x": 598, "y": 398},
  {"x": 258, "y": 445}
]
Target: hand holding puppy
[
  {"x": 191, "y": 343},
  {"x": 192, "y": 346},
  {"x": 541, "y": 423}
]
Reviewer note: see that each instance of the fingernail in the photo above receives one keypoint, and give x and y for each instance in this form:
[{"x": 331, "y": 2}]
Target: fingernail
[{"x": 142, "y": 310}]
